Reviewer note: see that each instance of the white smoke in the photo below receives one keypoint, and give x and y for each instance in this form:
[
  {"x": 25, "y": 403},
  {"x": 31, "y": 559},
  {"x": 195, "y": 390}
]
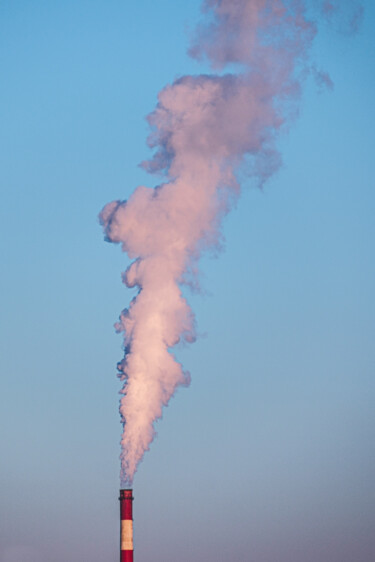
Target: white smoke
[{"x": 203, "y": 129}]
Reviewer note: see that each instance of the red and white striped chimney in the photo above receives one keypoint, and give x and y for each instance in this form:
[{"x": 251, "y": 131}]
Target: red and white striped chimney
[{"x": 126, "y": 513}]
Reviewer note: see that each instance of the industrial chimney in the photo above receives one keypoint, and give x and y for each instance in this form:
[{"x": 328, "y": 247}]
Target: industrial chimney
[{"x": 126, "y": 514}]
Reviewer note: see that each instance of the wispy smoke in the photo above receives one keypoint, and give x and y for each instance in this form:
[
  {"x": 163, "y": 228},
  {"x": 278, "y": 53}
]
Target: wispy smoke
[{"x": 204, "y": 129}]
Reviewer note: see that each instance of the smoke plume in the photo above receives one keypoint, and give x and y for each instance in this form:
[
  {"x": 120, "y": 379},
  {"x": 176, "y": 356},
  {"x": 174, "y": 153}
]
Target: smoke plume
[{"x": 204, "y": 129}]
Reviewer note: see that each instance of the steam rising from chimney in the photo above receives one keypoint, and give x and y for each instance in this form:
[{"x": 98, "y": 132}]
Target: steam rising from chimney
[{"x": 204, "y": 129}]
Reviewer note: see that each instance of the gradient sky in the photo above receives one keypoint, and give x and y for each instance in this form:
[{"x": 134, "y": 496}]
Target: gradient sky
[{"x": 269, "y": 455}]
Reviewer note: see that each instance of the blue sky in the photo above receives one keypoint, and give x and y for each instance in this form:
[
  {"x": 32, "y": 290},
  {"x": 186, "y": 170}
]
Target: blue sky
[{"x": 268, "y": 456}]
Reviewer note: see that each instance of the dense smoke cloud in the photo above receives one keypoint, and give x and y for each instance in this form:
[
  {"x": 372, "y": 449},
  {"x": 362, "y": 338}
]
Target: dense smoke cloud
[{"x": 203, "y": 130}]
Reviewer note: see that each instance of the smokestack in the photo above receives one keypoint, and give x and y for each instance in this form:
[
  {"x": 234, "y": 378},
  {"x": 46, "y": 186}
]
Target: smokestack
[{"x": 126, "y": 515}]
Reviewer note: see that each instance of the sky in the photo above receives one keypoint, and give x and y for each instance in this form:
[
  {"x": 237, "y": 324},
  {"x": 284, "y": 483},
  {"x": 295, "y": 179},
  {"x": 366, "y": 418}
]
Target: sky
[{"x": 268, "y": 456}]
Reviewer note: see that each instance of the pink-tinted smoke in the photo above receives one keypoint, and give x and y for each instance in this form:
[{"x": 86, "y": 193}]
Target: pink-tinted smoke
[{"x": 203, "y": 129}]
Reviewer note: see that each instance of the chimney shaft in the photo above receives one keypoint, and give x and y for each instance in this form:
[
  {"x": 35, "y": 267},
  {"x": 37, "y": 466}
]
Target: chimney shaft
[{"x": 126, "y": 514}]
